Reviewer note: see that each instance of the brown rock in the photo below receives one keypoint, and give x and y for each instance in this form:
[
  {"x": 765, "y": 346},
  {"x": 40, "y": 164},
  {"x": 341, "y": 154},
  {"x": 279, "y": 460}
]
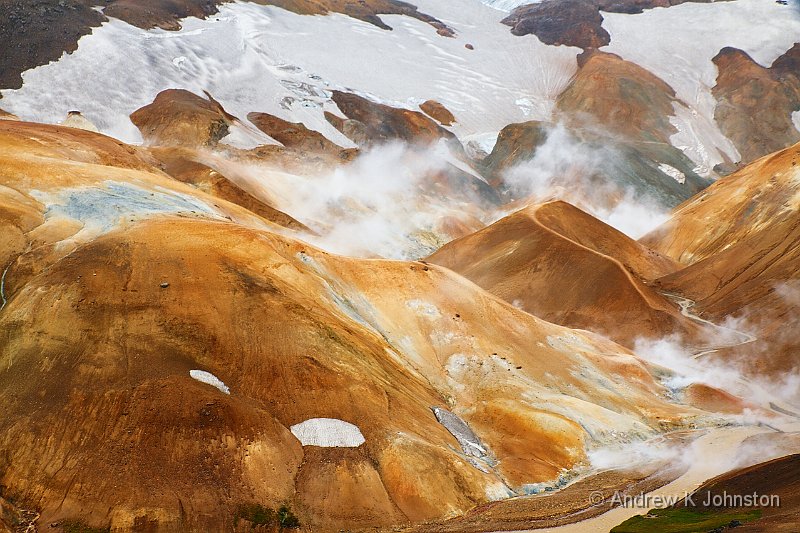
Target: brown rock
[
  {"x": 366, "y": 10},
  {"x": 295, "y": 135},
  {"x": 740, "y": 238},
  {"x": 438, "y": 112},
  {"x": 383, "y": 123},
  {"x": 515, "y": 144},
  {"x": 568, "y": 22},
  {"x": 165, "y": 14},
  {"x": 619, "y": 96},
  {"x": 755, "y": 104},
  {"x": 563, "y": 265},
  {"x": 576, "y": 22},
  {"x": 180, "y": 117}
]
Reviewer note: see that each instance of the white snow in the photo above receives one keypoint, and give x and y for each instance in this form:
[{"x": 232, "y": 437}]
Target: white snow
[
  {"x": 328, "y": 433},
  {"x": 262, "y": 58},
  {"x": 672, "y": 172},
  {"x": 700, "y": 138},
  {"x": 678, "y": 43},
  {"x": 210, "y": 379},
  {"x": 796, "y": 120},
  {"x": 508, "y": 5}
]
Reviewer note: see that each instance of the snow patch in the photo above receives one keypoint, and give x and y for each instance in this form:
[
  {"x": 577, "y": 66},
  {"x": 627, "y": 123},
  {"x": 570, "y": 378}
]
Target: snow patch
[
  {"x": 328, "y": 433},
  {"x": 796, "y": 120},
  {"x": 672, "y": 172},
  {"x": 508, "y": 5},
  {"x": 209, "y": 379},
  {"x": 700, "y": 138}
]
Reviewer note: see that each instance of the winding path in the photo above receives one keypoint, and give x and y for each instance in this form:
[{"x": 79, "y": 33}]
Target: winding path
[{"x": 686, "y": 305}]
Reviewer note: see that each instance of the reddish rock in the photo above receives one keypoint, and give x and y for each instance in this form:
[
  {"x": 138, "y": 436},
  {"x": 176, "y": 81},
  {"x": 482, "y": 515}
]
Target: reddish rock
[
  {"x": 565, "y": 266},
  {"x": 438, "y": 112},
  {"x": 180, "y": 117},
  {"x": 295, "y": 135},
  {"x": 619, "y": 96},
  {"x": 755, "y": 104},
  {"x": 383, "y": 123}
]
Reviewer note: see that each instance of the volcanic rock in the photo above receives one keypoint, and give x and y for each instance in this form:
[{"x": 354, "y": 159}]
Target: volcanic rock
[
  {"x": 438, "y": 112},
  {"x": 180, "y": 117},
  {"x": 755, "y": 104}
]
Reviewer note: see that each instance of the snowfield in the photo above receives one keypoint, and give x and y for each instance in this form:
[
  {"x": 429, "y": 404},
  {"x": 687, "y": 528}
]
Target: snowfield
[
  {"x": 210, "y": 379},
  {"x": 261, "y": 58},
  {"x": 328, "y": 433}
]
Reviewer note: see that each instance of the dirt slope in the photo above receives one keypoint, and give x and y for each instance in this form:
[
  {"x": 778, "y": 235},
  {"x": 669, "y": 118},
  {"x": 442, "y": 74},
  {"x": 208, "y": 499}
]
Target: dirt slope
[{"x": 561, "y": 264}]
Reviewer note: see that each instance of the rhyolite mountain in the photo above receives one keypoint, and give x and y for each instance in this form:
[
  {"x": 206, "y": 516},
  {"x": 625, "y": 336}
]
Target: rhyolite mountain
[{"x": 386, "y": 265}]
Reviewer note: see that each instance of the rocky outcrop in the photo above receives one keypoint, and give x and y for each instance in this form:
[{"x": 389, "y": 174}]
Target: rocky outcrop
[
  {"x": 755, "y": 104},
  {"x": 297, "y": 136},
  {"x": 741, "y": 240},
  {"x": 76, "y": 120},
  {"x": 516, "y": 143},
  {"x": 438, "y": 112},
  {"x": 373, "y": 123},
  {"x": 180, "y": 117},
  {"x": 576, "y": 22},
  {"x": 366, "y": 10},
  {"x": 612, "y": 94},
  {"x": 565, "y": 22},
  {"x": 164, "y": 14}
]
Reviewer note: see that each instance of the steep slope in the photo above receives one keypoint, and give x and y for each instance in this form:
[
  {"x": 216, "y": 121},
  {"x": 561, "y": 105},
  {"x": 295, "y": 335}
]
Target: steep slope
[
  {"x": 753, "y": 199},
  {"x": 563, "y": 265},
  {"x": 742, "y": 240},
  {"x": 755, "y": 104},
  {"x": 216, "y": 363},
  {"x": 186, "y": 165},
  {"x": 613, "y": 121},
  {"x": 629, "y": 109}
]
